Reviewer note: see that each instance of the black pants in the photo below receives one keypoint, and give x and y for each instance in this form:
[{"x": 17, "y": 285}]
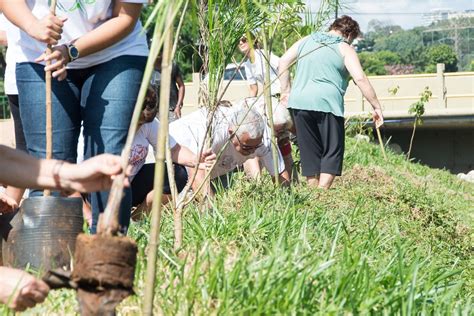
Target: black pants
[
  {"x": 321, "y": 141},
  {"x": 142, "y": 184},
  {"x": 19, "y": 135}
]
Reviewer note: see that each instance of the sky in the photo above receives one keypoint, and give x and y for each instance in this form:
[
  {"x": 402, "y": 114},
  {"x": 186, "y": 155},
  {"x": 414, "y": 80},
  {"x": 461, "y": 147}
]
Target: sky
[{"x": 406, "y": 13}]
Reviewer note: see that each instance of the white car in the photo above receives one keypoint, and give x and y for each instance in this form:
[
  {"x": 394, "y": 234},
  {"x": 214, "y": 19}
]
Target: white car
[{"x": 229, "y": 71}]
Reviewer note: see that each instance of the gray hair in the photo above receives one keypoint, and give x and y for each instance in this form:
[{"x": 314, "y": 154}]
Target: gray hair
[
  {"x": 247, "y": 121},
  {"x": 281, "y": 115}
]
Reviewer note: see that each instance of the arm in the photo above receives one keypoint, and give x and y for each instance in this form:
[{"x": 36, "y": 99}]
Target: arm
[
  {"x": 184, "y": 156},
  {"x": 253, "y": 88},
  {"x": 21, "y": 290},
  {"x": 122, "y": 23},
  {"x": 181, "y": 92},
  {"x": 352, "y": 63},
  {"x": 286, "y": 61},
  {"x": 283, "y": 174},
  {"x": 22, "y": 170},
  {"x": 47, "y": 29},
  {"x": 198, "y": 180},
  {"x": 3, "y": 38}
]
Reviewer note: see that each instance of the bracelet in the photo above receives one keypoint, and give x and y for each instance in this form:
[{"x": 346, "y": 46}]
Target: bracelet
[{"x": 56, "y": 169}]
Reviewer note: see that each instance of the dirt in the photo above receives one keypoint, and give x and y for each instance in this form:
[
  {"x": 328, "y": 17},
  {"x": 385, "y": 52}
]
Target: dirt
[
  {"x": 104, "y": 261},
  {"x": 370, "y": 175},
  {"x": 104, "y": 270}
]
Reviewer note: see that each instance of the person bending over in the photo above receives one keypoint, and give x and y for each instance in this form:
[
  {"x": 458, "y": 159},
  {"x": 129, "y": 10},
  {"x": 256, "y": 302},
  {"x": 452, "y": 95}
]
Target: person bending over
[
  {"x": 142, "y": 174},
  {"x": 283, "y": 126},
  {"x": 237, "y": 135}
]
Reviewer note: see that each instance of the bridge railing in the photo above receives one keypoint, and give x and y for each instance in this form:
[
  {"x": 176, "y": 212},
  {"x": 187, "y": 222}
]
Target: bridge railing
[{"x": 453, "y": 94}]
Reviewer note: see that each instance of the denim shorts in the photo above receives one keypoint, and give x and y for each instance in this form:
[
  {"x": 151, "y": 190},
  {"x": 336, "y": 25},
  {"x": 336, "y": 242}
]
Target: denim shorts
[{"x": 101, "y": 97}]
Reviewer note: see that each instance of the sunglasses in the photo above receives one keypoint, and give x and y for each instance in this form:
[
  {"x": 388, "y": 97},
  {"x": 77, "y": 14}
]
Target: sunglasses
[
  {"x": 247, "y": 147},
  {"x": 243, "y": 40}
]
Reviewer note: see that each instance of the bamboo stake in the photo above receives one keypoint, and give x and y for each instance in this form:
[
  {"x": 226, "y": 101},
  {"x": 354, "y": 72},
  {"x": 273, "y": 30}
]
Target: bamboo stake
[
  {"x": 108, "y": 221},
  {"x": 381, "y": 142},
  {"x": 165, "y": 85},
  {"x": 268, "y": 104},
  {"x": 177, "y": 211},
  {"x": 49, "y": 105}
]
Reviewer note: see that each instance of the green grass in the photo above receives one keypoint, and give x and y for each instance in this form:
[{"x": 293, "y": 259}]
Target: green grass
[{"x": 390, "y": 238}]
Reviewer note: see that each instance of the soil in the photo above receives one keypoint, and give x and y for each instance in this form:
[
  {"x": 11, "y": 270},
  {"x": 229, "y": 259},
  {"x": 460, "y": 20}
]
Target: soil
[{"x": 104, "y": 270}]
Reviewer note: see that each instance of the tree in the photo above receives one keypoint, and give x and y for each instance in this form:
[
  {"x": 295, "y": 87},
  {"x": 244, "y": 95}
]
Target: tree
[
  {"x": 407, "y": 44},
  {"x": 388, "y": 58},
  {"x": 441, "y": 54},
  {"x": 371, "y": 64}
]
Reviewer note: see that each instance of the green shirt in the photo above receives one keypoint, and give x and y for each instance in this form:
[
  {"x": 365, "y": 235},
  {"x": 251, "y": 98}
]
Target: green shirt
[{"x": 321, "y": 78}]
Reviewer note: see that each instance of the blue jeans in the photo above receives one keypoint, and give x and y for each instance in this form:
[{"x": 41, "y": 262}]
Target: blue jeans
[{"x": 101, "y": 96}]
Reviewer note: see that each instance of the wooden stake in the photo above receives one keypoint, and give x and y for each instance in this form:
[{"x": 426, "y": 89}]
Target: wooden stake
[
  {"x": 49, "y": 120},
  {"x": 154, "y": 243},
  {"x": 381, "y": 142},
  {"x": 108, "y": 221},
  {"x": 268, "y": 104}
]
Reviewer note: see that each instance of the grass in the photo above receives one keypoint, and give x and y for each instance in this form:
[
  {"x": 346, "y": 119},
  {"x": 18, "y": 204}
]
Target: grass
[{"x": 390, "y": 238}]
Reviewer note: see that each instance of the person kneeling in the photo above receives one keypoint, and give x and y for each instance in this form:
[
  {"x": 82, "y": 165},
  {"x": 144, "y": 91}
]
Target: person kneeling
[{"x": 142, "y": 174}]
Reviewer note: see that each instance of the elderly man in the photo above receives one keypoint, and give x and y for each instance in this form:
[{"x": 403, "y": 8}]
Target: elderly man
[
  {"x": 283, "y": 127},
  {"x": 237, "y": 135}
]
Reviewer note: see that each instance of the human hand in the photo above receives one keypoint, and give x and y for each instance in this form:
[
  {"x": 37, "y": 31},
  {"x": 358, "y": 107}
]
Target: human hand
[
  {"x": 377, "y": 117},
  {"x": 47, "y": 30},
  {"x": 94, "y": 174},
  {"x": 60, "y": 55},
  {"x": 208, "y": 158},
  {"x": 7, "y": 204},
  {"x": 21, "y": 290},
  {"x": 177, "y": 111}
]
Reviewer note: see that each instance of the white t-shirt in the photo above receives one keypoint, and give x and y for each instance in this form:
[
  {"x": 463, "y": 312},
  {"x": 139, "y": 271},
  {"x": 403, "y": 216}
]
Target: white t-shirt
[
  {"x": 255, "y": 72},
  {"x": 190, "y": 131},
  {"x": 146, "y": 135},
  {"x": 13, "y": 34},
  {"x": 83, "y": 16}
]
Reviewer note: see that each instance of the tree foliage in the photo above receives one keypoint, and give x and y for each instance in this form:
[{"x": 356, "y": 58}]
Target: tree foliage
[
  {"x": 388, "y": 57},
  {"x": 372, "y": 64},
  {"x": 407, "y": 44},
  {"x": 441, "y": 54}
]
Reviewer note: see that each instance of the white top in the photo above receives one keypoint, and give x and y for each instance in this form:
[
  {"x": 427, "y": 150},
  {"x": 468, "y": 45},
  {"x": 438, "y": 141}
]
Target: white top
[
  {"x": 13, "y": 33},
  {"x": 190, "y": 131},
  {"x": 146, "y": 135},
  {"x": 83, "y": 16},
  {"x": 255, "y": 72}
]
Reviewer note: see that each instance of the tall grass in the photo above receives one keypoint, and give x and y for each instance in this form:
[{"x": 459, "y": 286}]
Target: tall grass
[
  {"x": 384, "y": 241},
  {"x": 391, "y": 238}
]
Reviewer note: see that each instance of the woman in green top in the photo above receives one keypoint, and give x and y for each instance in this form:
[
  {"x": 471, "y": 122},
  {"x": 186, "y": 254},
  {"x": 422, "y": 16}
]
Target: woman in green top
[{"x": 325, "y": 61}]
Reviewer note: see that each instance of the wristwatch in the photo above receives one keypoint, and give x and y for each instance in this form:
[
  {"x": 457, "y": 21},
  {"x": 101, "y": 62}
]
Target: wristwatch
[{"x": 73, "y": 52}]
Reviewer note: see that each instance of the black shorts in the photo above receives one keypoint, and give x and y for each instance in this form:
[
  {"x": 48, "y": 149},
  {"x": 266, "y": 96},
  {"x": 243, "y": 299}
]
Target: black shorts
[
  {"x": 142, "y": 183},
  {"x": 321, "y": 141}
]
